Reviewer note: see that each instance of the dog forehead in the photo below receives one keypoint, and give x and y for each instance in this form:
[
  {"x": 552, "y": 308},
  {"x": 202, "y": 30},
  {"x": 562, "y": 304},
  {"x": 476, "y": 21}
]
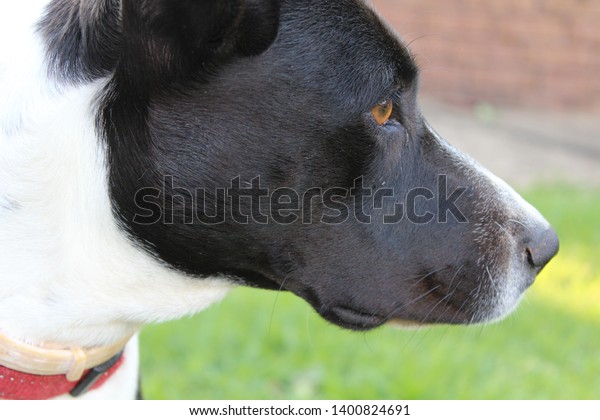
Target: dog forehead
[{"x": 344, "y": 42}]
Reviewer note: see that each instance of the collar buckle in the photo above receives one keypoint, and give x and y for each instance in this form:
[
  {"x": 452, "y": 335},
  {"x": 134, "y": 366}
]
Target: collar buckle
[{"x": 94, "y": 374}]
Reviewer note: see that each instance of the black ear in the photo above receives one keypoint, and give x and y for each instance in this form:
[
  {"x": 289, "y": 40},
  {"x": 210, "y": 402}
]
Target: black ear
[
  {"x": 181, "y": 35},
  {"x": 259, "y": 26}
]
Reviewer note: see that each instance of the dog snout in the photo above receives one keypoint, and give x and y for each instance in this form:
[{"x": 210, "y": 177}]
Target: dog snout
[{"x": 541, "y": 248}]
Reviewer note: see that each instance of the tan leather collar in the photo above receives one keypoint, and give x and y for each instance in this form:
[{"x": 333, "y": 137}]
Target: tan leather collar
[{"x": 72, "y": 362}]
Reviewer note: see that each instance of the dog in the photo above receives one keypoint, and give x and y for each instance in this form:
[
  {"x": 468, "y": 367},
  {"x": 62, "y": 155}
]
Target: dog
[{"x": 156, "y": 153}]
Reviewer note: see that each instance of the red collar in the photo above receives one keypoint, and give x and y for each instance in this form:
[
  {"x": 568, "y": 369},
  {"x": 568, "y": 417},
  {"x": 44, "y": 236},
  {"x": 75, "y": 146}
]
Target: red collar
[
  {"x": 44, "y": 371},
  {"x": 15, "y": 385}
]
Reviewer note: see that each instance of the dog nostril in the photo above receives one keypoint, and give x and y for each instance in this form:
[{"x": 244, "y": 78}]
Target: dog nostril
[
  {"x": 529, "y": 256},
  {"x": 542, "y": 249}
]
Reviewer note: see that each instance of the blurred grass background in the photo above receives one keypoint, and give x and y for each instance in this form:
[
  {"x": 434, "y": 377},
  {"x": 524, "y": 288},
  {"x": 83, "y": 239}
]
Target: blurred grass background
[{"x": 264, "y": 345}]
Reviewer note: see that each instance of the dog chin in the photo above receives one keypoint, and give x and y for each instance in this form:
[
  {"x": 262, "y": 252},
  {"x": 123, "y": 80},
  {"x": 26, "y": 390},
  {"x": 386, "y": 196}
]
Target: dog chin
[
  {"x": 501, "y": 312},
  {"x": 495, "y": 315}
]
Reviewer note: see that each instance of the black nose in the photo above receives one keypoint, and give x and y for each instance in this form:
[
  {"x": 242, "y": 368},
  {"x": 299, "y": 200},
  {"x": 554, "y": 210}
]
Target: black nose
[{"x": 542, "y": 248}]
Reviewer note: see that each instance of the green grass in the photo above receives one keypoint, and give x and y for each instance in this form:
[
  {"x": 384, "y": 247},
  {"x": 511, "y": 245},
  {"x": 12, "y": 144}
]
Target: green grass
[{"x": 263, "y": 345}]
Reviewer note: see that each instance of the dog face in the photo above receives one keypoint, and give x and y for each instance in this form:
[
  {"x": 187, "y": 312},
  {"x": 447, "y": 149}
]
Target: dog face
[{"x": 281, "y": 146}]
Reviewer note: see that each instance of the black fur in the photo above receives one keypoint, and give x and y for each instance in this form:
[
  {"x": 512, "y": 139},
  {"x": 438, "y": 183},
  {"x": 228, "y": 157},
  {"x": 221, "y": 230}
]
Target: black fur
[
  {"x": 214, "y": 91},
  {"x": 84, "y": 40}
]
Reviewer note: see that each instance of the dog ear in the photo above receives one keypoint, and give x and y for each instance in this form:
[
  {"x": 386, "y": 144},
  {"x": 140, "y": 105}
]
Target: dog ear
[
  {"x": 259, "y": 26},
  {"x": 182, "y": 35}
]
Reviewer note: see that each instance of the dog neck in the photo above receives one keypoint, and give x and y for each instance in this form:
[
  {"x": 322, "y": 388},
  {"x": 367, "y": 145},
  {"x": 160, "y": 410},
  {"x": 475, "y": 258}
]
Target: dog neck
[
  {"x": 50, "y": 359},
  {"x": 69, "y": 273}
]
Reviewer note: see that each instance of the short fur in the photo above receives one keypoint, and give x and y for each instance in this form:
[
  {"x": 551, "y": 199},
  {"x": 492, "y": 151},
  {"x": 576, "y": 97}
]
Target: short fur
[{"x": 105, "y": 99}]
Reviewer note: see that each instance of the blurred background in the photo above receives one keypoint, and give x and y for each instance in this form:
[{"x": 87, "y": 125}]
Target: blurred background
[
  {"x": 533, "y": 53},
  {"x": 516, "y": 84}
]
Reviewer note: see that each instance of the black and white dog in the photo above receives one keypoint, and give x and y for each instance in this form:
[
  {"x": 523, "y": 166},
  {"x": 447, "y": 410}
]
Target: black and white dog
[{"x": 127, "y": 126}]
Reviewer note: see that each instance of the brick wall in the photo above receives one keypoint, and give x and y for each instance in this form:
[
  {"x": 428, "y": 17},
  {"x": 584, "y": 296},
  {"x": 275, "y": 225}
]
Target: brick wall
[{"x": 533, "y": 53}]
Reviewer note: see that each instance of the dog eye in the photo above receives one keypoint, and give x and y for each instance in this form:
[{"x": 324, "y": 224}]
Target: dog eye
[{"x": 383, "y": 111}]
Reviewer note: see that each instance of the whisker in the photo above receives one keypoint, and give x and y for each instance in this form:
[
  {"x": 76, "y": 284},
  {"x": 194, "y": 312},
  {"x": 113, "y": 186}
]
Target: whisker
[
  {"x": 275, "y": 303},
  {"x": 524, "y": 224},
  {"x": 412, "y": 286},
  {"x": 415, "y": 300},
  {"x": 421, "y": 278},
  {"x": 418, "y": 38},
  {"x": 502, "y": 227},
  {"x": 476, "y": 293},
  {"x": 459, "y": 309},
  {"x": 449, "y": 295},
  {"x": 445, "y": 298},
  {"x": 494, "y": 285},
  {"x": 454, "y": 277}
]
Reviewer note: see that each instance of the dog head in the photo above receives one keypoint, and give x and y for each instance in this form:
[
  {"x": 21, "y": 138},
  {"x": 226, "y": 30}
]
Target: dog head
[{"x": 280, "y": 145}]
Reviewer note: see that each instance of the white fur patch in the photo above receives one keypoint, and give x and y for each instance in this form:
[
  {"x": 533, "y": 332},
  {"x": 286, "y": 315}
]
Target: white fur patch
[{"x": 63, "y": 258}]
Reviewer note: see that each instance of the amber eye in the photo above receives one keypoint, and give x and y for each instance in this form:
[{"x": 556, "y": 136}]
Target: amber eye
[{"x": 382, "y": 112}]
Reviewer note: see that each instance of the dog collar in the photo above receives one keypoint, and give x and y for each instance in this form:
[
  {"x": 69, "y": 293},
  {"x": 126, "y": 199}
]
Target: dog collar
[{"x": 29, "y": 372}]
